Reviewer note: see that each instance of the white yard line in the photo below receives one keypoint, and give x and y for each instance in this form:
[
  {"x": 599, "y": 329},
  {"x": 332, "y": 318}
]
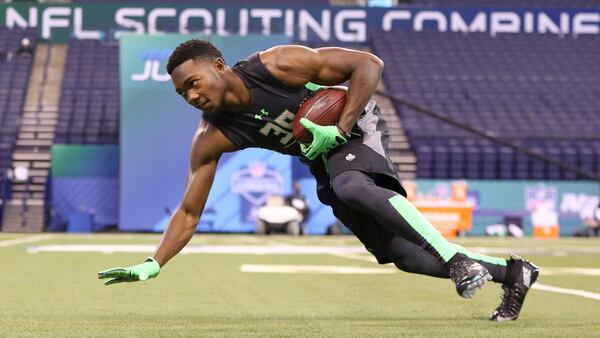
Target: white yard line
[
  {"x": 350, "y": 252},
  {"x": 332, "y": 269},
  {"x": 537, "y": 286},
  {"x": 555, "y": 251},
  {"x": 573, "y": 292},
  {"x": 249, "y": 239},
  {"x": 521, "y": 251},
  {"x": 203, "y": 249},
  {"x": 23, "y": 240},
  {"x": 360, "y": 257},
  {"x": 570, "y": 271}
]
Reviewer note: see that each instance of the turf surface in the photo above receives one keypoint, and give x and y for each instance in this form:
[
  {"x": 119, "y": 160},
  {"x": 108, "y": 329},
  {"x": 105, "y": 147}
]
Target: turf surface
[{"x": 57, "y": 293}]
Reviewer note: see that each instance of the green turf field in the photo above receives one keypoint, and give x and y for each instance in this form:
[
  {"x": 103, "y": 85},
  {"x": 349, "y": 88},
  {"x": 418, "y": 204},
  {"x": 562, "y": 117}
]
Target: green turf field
[{"x": 56, "y": 293}]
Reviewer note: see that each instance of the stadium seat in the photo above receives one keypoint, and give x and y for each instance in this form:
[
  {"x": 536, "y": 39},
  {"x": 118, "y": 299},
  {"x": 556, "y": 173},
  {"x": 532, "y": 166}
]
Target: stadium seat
[
  {"x": 14, "y": 76},
  {"x": 88, "y": 108},
  {"x": 512, "y": 85}
]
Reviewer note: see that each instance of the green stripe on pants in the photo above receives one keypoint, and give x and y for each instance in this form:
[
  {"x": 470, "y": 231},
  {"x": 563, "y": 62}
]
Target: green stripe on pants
[
  {"x": 480, "y": 257},
  {"x": 422, "y": 226}
]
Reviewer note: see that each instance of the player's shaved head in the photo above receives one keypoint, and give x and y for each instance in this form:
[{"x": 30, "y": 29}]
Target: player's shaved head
[{"x": 192, "y": 49}]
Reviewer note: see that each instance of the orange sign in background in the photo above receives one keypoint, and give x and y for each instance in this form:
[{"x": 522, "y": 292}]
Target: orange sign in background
[{"x": 451, "y": 216}]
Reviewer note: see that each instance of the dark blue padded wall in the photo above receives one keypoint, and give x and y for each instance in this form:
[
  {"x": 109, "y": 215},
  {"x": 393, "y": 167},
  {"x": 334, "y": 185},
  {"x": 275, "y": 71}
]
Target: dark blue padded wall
[
  {"x": 96, "y": 196},
  {"x": 542, "y": 91},
  {"x": 85, "y": 181}
]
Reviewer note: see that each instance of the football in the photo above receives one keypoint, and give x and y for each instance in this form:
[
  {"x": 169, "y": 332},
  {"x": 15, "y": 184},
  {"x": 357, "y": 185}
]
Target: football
[{"x": 323, "y": 108}]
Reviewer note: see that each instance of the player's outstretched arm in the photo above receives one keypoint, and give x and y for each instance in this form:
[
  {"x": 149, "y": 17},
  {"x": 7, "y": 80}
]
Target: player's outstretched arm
[{"x": 208, "y": 146}]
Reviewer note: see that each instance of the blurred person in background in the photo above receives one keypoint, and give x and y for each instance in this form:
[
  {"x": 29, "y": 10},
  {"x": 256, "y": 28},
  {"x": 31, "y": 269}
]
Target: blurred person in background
[
  {"x": 297, "y": 200},
  {"x": 512, "y": 227},
  {"x": 591, "y": 225},
  {"x": 25, "y": 49},
  {"x": 4, "y": 191},
  {"x": 253, "y": 103},
  {"x": 277, "y": 216},
  {"x": 7, "y": 55}
]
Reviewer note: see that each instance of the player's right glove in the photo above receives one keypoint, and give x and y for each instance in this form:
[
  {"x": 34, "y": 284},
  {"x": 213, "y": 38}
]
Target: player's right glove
[
  {"x": 325, "y": 138},
  {"x": 149, "y": 269}
]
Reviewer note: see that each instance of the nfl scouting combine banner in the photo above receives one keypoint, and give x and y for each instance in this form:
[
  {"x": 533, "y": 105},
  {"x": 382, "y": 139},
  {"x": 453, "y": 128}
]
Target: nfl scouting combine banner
[
  {"x": 156, "y": 130},
  {"x": 58, "y": 22}
]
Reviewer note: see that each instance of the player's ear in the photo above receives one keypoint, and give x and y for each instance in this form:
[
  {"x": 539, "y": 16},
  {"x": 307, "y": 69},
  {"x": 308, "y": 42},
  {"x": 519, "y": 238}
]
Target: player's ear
[{"x": 219, "y": 66}]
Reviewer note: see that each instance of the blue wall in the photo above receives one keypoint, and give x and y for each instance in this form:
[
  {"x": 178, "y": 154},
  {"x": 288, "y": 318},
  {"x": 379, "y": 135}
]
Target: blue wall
[{"x": 84, "y": 179}]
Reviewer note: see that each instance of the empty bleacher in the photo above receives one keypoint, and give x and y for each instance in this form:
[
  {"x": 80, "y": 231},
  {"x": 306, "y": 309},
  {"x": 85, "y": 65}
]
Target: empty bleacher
[
  {"x": 89, "y": 102},
  {"x": 14, "y": 74},
  {"x": 221, "y": 2},
  {"x": 507, "y": 3},
  {"x": 540, "y": 90}
]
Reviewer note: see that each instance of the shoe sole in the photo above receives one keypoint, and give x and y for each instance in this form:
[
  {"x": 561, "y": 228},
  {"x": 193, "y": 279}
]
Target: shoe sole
[{"x": 477, "y": 283}]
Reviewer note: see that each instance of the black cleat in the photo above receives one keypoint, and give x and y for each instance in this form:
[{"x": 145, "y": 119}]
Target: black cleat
[
  {"x": 468, "y": 275},
  {"x": 514, "y": 295}
]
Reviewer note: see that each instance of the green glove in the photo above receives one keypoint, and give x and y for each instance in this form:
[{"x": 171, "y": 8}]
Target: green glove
[
  {"x": 325, "y": 138},
  {"x": 149, "y": 269}
]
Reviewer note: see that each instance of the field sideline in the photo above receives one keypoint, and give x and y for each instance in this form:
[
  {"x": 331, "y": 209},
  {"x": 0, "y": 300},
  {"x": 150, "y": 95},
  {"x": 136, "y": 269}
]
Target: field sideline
[{"x": 243, "y": 285}]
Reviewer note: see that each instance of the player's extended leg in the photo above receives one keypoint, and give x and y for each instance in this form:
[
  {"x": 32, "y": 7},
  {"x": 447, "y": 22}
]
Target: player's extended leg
[
  {"x": 410, "y": 257},
  {"x": 400, "y": 217},
  {"x": 397, "y": 215},
  {"x": 516, "y": 276},
  {"x": 425, "y": 249}
]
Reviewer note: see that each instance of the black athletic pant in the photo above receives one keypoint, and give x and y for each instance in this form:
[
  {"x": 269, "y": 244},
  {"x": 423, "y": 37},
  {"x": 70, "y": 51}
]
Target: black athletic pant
[{"x": 393, "y": 230}]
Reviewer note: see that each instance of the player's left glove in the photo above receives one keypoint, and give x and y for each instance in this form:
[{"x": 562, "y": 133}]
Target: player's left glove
[
  {"x": 149, "y": 269},
  {"x": 325, "y": 139}
]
